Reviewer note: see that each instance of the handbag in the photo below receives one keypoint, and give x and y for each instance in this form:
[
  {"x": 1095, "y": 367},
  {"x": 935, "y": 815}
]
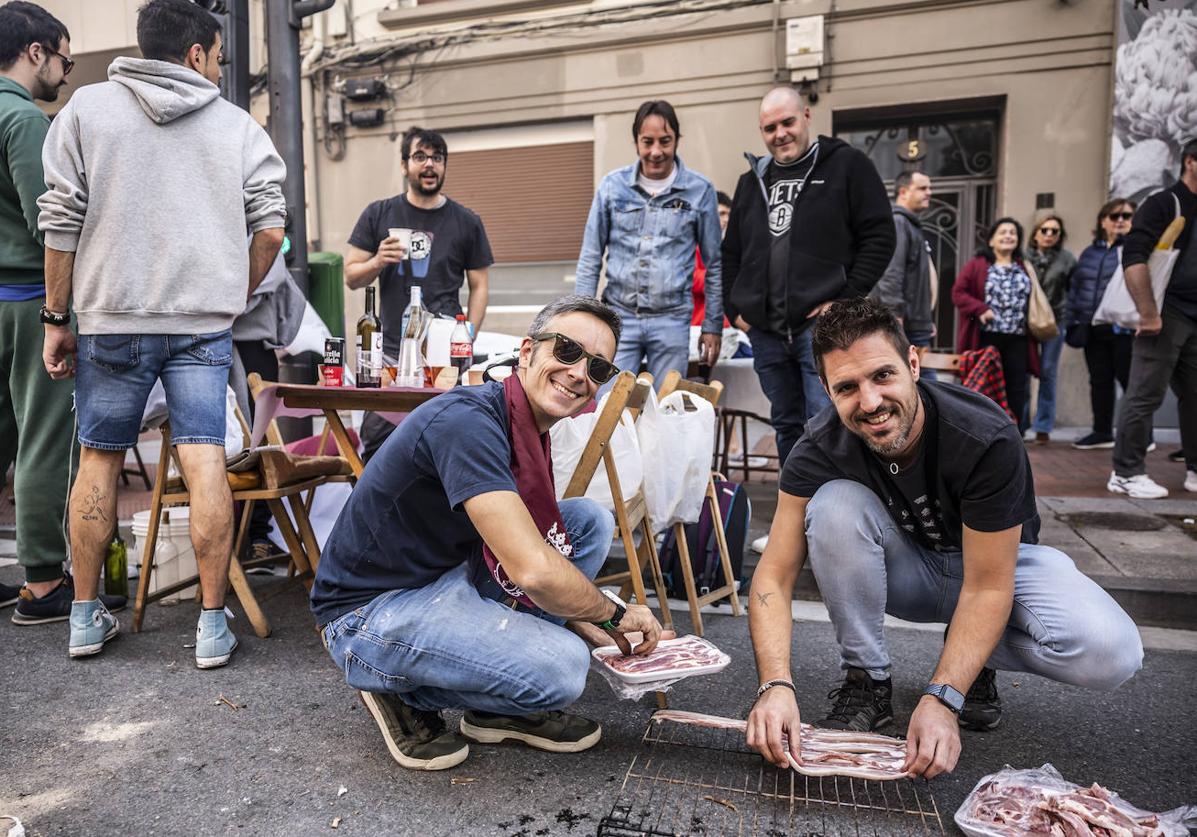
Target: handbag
[
  {"x": 1041, "y": 320},
  {"x": 1116, "y": 304}
]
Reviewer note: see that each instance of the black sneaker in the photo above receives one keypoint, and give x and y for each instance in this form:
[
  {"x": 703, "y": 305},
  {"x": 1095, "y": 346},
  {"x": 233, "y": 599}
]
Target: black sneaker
[
  {"x": 418, "y": 740},
  {"x": 982, "y": 706},
  {"x": 55, "y": 606},
  {"x": 1094, "y": 441},
  {"x": 9, "y": 595},
  {"x": 861, "y": 703},
  {"x": 557, "y": 732},
  {"x": 1177, "y": 455}
]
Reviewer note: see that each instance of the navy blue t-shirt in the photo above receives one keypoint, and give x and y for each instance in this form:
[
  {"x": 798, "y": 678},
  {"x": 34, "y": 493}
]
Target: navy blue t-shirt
[{"x": 404, "y": 525}]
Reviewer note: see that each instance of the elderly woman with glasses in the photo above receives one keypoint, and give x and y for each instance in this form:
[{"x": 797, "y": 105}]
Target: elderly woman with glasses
[
  {"x": 1107, "y": 347},
  {"x": 1053, "y": 265}
]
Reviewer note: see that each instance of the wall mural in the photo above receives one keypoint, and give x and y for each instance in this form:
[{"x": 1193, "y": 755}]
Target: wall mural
[{"x": 1155, "y": 94}]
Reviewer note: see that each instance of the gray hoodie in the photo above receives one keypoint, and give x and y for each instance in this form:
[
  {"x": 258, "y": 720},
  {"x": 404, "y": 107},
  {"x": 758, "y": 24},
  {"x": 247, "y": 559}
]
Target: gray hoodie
[{"x": 153, "y": 181}]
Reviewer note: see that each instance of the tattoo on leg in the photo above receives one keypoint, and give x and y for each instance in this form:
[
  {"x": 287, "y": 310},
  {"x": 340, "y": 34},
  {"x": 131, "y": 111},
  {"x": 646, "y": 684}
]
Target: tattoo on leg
[
  {"x": 763, "y": 598},
  {"x": 93, "y": 506}
]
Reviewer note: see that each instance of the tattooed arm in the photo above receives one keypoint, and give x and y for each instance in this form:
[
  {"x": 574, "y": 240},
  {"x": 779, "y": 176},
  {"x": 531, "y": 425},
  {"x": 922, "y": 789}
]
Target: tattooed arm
[{"x": 775, "y": 716}]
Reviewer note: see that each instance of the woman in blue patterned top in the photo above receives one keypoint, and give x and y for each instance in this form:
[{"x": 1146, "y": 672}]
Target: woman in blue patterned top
[{"x": 991, "y": 295}]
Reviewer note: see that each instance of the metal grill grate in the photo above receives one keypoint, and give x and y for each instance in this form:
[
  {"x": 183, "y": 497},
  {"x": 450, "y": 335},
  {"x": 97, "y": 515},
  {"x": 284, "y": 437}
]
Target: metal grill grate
[{"x": 690, "y": 780}]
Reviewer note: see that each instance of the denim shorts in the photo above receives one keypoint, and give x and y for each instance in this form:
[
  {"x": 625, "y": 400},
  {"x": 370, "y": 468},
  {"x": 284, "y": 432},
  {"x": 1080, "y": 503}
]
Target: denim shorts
[{"x": 115, "y": 373}]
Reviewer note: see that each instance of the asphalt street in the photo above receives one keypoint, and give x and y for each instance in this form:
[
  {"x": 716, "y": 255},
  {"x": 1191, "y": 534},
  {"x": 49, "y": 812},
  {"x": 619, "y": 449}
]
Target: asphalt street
[{"x": 138, "y": 741}]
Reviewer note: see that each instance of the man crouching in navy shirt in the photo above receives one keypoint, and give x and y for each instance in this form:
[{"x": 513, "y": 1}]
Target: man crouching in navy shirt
[
  {"x": 915, "y": 498},
  {"x": 453, "y": 577}
]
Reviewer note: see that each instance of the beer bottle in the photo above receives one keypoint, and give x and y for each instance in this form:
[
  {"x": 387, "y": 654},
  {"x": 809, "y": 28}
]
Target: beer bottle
[{"x": 369, "y": 345}]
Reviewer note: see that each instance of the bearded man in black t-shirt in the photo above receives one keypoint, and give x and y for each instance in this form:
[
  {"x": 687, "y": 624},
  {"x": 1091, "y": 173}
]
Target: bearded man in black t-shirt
[{"x": 915, "y": 498}]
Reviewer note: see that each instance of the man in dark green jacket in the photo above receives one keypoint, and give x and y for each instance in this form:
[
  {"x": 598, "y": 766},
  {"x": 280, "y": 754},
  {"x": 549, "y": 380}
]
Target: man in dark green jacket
[{"x": 36, "y": 424}]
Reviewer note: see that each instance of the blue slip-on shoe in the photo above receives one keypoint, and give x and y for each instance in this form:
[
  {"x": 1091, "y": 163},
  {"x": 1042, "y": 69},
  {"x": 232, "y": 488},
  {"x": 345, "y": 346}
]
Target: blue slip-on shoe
[
  {"x": 91, "y": 626},
  {"x": 214, "y": 642}
]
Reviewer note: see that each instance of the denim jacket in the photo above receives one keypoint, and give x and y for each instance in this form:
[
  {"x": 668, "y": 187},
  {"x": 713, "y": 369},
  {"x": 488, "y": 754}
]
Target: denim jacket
[{"x": 650, "y": 245}]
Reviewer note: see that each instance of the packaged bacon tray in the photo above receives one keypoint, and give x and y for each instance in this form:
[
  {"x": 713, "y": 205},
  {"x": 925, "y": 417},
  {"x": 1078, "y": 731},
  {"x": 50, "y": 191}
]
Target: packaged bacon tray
[{"x": 672, "y": 659}]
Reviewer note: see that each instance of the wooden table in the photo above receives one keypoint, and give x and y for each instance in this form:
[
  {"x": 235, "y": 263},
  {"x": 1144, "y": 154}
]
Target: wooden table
[{"x": 309, "y": 399}]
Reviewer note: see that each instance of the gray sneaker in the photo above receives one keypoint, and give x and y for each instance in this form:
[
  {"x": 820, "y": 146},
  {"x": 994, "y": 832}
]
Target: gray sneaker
[
  {"x": 417, "y": 739},
  {"x": 557, "y": 732},
  {"x": 214, "y": 642},
  {"x": 91, "y": 626}
]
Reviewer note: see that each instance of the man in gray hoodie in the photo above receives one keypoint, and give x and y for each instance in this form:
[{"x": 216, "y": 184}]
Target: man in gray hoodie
[{"x": 153, "y": 181}]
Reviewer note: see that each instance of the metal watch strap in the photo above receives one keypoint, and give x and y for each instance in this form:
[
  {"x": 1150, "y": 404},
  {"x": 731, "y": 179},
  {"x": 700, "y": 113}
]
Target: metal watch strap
[{"x": 769, "y": 685}]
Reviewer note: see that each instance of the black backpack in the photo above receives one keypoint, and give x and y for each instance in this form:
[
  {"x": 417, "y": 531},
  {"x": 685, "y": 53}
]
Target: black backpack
[{"x": 736, "y": 511}]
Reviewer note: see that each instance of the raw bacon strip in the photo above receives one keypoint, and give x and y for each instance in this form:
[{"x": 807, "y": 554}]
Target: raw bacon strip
[
  {"x": 825, "y": 752},
  {"x": 1013, "y": 807},
  {"x": 677, "y": 656}
]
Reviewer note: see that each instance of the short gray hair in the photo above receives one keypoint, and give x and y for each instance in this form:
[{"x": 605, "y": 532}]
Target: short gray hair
[{"x": 576, "y": 302}]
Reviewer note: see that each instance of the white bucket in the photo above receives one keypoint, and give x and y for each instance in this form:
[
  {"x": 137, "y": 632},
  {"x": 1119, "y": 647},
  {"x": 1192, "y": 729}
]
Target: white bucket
[{"x": 174, "y": 556}]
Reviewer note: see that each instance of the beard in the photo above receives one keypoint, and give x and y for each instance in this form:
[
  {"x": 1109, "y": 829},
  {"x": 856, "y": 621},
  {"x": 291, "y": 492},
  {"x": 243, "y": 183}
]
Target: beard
[
  {"x": 424, "y": 189},
  {"x": 905, "y": 415},
  {"x": 46, "y": 90}
]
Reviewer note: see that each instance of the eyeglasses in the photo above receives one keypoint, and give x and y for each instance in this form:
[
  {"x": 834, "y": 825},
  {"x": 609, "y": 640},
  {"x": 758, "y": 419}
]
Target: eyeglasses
[
  {"x": 1050, "y": 230},
  {"x": 568, "y": 351},
  {"x": 68, "y": 64},
  {"x": 420, "y": 158},
  {"x": 1121, "y": 216}
]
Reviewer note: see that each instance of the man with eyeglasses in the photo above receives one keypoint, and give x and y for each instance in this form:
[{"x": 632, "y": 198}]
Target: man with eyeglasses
[
  {"x": 454, "y": 579},
  {"x": 36, "y": 424},
  {"x": 448, "y": 241}
]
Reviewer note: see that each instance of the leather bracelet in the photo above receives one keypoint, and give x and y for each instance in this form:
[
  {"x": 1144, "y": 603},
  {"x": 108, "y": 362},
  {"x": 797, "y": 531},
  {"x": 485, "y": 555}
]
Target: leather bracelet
[
  {"x": 54, "y": 318},
  {"x": 767, "y": 686}
]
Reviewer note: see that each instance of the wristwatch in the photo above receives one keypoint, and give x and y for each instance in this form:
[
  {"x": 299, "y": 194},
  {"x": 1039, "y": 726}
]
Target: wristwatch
[
  {"x": 946, "y": 695},
  {"x": 620, "y": 609},
  {"x": 54, "y": 318}
]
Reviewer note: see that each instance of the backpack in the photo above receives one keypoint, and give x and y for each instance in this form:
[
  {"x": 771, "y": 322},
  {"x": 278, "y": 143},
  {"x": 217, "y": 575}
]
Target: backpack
[{"x": 736, "y": 511}]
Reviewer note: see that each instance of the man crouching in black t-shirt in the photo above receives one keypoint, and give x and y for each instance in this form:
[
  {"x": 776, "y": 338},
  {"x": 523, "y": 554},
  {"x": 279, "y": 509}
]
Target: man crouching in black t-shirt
[{"x": 915, "y": 498}]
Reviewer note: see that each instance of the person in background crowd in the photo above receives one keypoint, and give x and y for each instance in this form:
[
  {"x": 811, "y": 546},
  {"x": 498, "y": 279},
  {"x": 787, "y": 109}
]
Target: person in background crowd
[
  {"x": 448, "y": 246},
  {"x": 991, "y": 295},
  {"x": 1053, "y": 265},
  {"x": 698, "y": 290},
  {"x": 650, "y": 218},
  {"x": 1165, "y": 347},
  {"x": 905, "y": 287},
  {"x": 1107, "y": 347},
  {"x": 37, "y": 427},
  {"x": 145, "y": 138}
]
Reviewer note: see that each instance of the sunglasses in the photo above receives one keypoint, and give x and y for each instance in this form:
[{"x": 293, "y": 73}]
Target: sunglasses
[
  {"x": 1121, "y": 216},
  {"x": 1050, "y": 230},
  {"x": 568, "y": 351}
]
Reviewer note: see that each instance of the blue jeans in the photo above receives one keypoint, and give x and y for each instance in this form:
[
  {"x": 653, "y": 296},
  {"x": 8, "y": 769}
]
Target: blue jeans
[
  {"x": 449, "y": 646},
  {"x": 790, "y": 381},
  {"x": 1049, "y": 365},
  {"x": 115, "y": 373},
  {"x": 1063, "y": 626},
  {"x": 661, "y": 340},
  {"x": 922, "y": 338}
]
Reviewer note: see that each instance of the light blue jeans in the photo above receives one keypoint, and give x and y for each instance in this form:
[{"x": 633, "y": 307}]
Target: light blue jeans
[
  {"x": 812, "y": 384},
  {"x": 661, "y": 340},
  {"x": 1063, "y": 625},
  {"x": 449, "y": 646},
  {"x": 1049, "y": 365}
]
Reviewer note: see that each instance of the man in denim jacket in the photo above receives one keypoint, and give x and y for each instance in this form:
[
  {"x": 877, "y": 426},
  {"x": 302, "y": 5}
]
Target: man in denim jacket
[{"x": 650, "y": 218}]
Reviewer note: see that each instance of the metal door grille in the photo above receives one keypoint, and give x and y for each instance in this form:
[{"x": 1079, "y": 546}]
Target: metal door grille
[{"x": 690, "y": 780}]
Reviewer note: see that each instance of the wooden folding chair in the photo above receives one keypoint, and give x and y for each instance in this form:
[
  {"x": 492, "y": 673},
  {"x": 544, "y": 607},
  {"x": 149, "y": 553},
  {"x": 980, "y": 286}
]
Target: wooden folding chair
[
  {"x": 940, "y": 361},
  {"x": 248, "y": 487},
  {"x": 631, "y": 513},
  {"x": 711, "y": 392}
]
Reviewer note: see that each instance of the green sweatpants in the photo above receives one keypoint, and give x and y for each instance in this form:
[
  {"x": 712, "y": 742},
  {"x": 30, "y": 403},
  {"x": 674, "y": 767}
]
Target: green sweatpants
[{"x": 37, "y": 430}]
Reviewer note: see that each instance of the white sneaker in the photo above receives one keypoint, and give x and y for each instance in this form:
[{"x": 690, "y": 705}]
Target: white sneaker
[
  {"x": 1140, "y": 487},
  {"x": 1190, "y": 480},
  {"x": 760, "y": 543}
]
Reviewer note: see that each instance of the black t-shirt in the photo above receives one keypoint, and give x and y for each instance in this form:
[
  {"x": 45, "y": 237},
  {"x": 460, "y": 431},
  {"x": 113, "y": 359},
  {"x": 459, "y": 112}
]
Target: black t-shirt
[
  {"x": 446, "y": 242},
  {"x": 404, "y": 524},
  {"x": 972, "y": 469},
  {"x": 783, "y": 184}
]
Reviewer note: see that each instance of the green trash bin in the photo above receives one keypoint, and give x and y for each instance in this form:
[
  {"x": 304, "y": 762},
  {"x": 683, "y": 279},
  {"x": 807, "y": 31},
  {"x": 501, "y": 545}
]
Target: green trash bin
[{"x": 326, "y": 289}]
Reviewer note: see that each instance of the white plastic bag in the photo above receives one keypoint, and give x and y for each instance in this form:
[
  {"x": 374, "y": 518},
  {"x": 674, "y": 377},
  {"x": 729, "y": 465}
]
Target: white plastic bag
[
  {"x": 1116, "y": 304},
  {"x": 569, "y": 438},
  {"x": 677, "y": 440},
  {"x": 1009, "y": 790}
]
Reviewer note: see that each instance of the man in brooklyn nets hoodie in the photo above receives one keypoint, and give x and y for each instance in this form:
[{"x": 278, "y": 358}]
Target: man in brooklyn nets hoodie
[{"x": 153, "y": 181}]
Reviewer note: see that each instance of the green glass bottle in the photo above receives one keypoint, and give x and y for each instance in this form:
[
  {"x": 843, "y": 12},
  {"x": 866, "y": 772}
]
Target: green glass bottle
[{"x": 116, "y": 568}]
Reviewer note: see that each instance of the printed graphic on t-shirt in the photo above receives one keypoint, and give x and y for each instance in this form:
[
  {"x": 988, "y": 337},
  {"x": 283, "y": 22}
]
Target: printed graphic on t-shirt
[
  {"x": 921, "y": 512},
  {"x": 420, "y": 254},
  {"x": 782, "y": 195}
]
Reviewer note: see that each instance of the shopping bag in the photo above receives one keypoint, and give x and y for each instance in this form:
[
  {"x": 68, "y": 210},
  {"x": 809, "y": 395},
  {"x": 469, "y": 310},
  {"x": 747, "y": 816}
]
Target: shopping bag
[
  {"x": 569, "y": 438},
  {"x": 1117, "y": 306},
  {"x": 677, "y": 441},
  {"x": 1041, "y": 320}
]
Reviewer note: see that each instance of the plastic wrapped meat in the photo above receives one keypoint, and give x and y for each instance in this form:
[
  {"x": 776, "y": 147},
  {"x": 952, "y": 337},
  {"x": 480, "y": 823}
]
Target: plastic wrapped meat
[{"x": 670, "y": 660}]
